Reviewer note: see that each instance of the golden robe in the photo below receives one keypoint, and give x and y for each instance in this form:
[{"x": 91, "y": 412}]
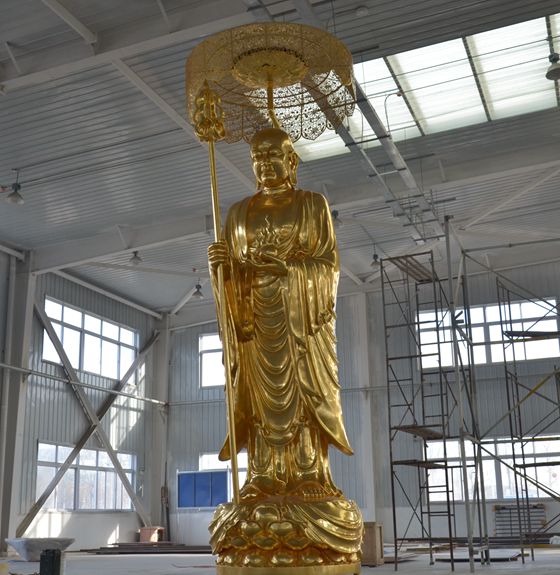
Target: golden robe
[{"x": 286, "y": 392}]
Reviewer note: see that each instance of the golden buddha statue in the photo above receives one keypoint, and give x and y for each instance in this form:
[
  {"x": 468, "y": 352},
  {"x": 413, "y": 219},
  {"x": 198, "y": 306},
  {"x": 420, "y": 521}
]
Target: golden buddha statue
[{"x": 281, "y": 268}]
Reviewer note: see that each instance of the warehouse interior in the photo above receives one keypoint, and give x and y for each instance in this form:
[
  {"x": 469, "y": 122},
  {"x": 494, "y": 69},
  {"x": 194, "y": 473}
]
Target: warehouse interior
[{"x": 444, "y": 191}]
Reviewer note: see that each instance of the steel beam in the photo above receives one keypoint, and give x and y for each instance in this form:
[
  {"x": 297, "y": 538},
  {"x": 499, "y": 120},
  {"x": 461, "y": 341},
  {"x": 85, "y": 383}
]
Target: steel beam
[
  {"x": 76, "y": 25},
  {"x": 486, "y": 211},
  {"x": 76, "y": 252},
  {"x": 127, "y": 41}
]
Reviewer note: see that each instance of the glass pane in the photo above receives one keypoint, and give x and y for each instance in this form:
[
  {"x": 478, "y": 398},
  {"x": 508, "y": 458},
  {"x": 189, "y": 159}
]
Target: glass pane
[
  {"x": 63, "y": 453},
  {"x": 492, "y": 313},
  {"x": 46, "y": 452},
  {"x": 106, "y": 483},
  {"x": 209, "y": 341},
  {"x": 548, "y": 446},
  {"x": 88, "y": 484},
  {"x": 128, "y": 336},
  {"x": 49, "y": 352},
  {"x": 490, "y": 482},
  {"x": 65, "y": 490},
  {"x": 71, "y": 343},
  {"x": 44, "y": 477},
  {"x": 125, "y": 459},
  {"x": 92, "y": 323},
  {"x": 109, "y": 360},
  {"x": 542, "y": 348},
  {"x": 440, "y": 86},
  {"x": 427, "y": 319},
  {"x": 104, "y": 460},
  {"x": 511, "y": 62},
  {"x": 508, "y": 480},
  {"x": 88, "y": 457},
  {"x": 110, "y": 330},
  {"x": 126, "y": 360},
  {"x": 477, "y": 315},
  {"x": 210, "y": 461},
  {"x": 212, "y": 369},
  {"x": 533, "y": 309},
  {"x": 125, "y": 502},
  {"x": 72, "y": 316},
  {"x": 428, "y": 337},
  {"x": 53, "y": 309},
  {"x": 92, "y": 353},
  {"x": 328, "y": 144}
]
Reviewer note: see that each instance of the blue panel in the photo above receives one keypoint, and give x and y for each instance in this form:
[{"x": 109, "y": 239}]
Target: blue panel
[
  {"x": 185, "y": 490},
  {"x": 203, "y": 490},
  {"x": 219, "y": 487}
]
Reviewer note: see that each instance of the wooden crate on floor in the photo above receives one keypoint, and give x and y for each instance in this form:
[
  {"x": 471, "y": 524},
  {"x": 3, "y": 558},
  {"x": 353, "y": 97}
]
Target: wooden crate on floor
[{"x": 372, "y": 546}]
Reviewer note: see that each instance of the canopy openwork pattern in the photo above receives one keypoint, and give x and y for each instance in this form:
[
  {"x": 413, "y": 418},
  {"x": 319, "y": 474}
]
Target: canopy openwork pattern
[{"x": 299, "y": 75}]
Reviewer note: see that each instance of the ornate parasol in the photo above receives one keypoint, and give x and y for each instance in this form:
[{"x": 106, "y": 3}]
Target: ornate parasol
[
  {"x": 295, "y": 77},
  {"x": 298, "y": 77}
]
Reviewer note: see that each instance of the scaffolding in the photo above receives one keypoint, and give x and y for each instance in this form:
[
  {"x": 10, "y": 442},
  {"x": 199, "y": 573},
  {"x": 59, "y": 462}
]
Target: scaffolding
[
  {"x": 429, "y": 400},
  {"x": 432, "y": 398}
]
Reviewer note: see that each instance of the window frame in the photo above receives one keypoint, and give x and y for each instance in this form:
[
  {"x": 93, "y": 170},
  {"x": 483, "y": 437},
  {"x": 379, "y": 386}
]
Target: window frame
[
  {"x": 76, "y": 467},
  {"x": 501, "y": 472},
  {"x": 488, "y": 344},
  {"x": 83, "y": 331}
]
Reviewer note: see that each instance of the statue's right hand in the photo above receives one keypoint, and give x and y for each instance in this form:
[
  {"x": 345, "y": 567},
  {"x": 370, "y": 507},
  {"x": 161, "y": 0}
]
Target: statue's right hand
[{"x": 218, "y": 254}]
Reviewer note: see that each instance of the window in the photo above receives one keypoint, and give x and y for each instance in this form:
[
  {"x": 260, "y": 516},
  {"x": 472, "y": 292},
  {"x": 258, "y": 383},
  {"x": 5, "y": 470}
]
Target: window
[
  {"x": 91, "y": 482},
  {"x": 494, "y": 336},
  {"x": 91, "y": 343},
  {"x": 210, "y": 360},
  {"x": 542, "y": 463},
  {"x": 210, "y": 461}
]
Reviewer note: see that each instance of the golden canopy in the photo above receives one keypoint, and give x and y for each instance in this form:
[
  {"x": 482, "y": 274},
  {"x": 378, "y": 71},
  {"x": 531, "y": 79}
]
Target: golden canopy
[{"x": 294, "y": 76}]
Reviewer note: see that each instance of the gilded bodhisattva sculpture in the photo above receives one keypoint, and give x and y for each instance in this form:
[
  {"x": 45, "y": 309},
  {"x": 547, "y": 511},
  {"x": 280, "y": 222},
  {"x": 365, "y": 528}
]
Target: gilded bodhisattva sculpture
[{"x": 280, "y": 268}]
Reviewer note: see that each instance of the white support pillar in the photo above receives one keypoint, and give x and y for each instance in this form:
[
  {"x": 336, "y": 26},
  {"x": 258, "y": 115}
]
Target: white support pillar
[
  {"x": 157, "y": 446},
  {"x": 365, "y": 449},
  {"x": 13, "y": 396}
]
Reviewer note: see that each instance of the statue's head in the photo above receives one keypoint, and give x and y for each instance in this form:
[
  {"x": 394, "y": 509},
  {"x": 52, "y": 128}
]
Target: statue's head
[{"x": 274, "y": 159}]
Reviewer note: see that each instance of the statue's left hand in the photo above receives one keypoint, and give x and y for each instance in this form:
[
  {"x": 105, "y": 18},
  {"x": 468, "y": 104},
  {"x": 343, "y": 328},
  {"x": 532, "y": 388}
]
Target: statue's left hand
[{"x": 271, "y": 264}]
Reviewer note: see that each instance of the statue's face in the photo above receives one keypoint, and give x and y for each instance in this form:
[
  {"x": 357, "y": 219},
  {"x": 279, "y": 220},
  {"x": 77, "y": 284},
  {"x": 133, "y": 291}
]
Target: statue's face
[{"x": 273, "y": 156}]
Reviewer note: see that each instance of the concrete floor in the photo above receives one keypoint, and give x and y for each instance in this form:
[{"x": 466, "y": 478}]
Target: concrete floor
[{"x": 547, "y": 562}]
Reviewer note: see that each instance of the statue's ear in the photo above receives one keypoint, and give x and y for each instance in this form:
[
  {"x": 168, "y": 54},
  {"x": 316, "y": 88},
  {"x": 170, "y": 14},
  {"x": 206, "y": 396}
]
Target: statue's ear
[{"x": 294, "y": 161}]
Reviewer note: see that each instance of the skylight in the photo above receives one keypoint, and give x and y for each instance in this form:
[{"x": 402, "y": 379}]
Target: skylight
[
  {"x": 444, "y": 89},
  {"x": 440, "y": 86},
  {"x": 511, "y": 63}
]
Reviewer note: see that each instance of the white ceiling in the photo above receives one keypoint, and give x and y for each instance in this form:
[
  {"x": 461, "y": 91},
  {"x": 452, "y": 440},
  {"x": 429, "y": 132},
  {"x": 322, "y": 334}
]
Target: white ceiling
[{"x": 109, "y": 163}]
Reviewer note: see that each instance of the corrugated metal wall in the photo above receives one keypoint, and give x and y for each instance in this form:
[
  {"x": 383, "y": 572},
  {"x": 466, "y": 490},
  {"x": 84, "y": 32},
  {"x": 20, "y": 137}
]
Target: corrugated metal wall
[{"x": 52, "y": 411}]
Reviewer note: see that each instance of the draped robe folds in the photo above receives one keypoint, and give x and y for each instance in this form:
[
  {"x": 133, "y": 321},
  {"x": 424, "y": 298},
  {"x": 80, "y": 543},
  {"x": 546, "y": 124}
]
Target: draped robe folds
[{"x": 281, "y": 328}]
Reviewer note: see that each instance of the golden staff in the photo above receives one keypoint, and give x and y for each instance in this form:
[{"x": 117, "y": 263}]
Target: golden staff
[{"x": 209, "y": 127}]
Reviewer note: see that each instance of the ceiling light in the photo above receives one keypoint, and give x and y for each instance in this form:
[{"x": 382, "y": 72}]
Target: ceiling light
[
  {"x": 553, "y": 72},
  {"x": 375, "y": 262},
  {"x": 14, "y": 197},
  {"x": 198, "y": 292},
  {"x": 135, "y": 259},
  {"x": 337, "y": 223}
]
